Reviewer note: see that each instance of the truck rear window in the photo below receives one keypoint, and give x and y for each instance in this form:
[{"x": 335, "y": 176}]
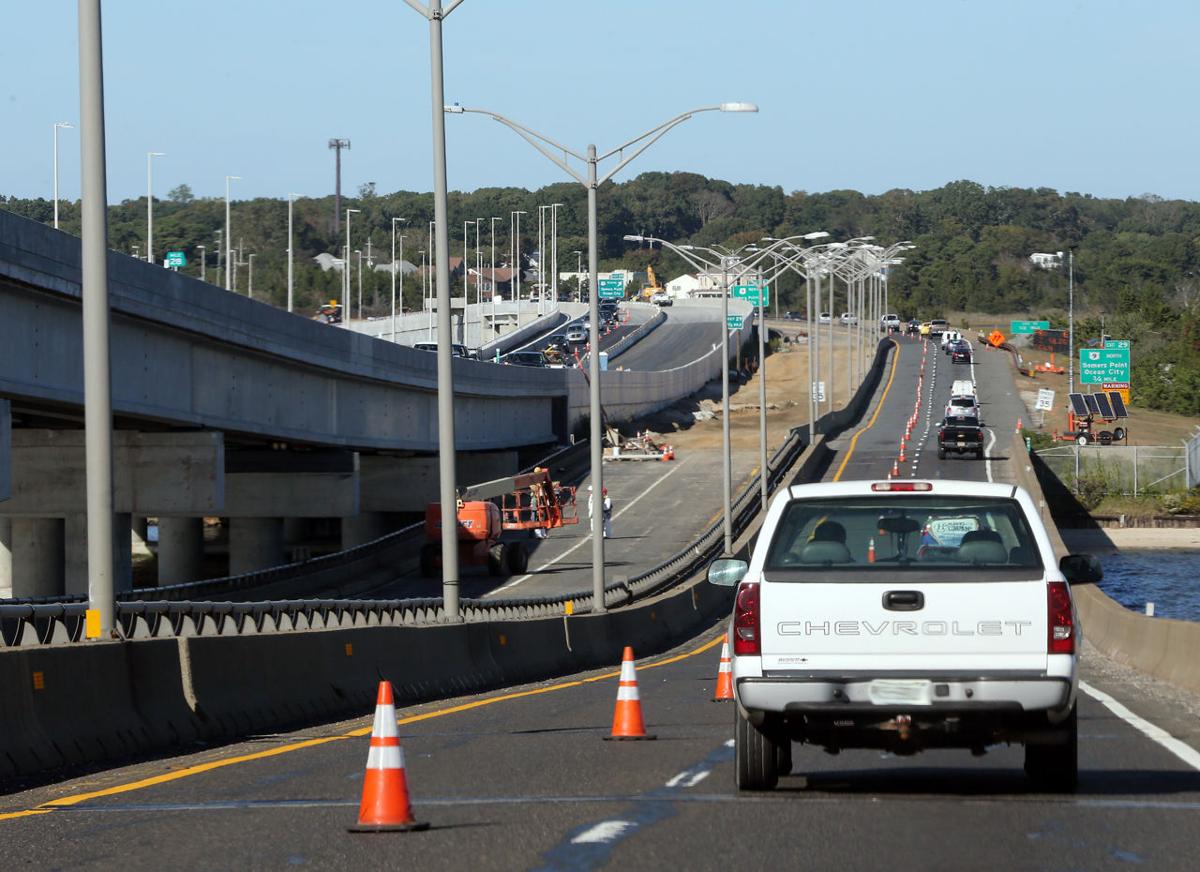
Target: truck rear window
[{"x": 964, "y": 538}]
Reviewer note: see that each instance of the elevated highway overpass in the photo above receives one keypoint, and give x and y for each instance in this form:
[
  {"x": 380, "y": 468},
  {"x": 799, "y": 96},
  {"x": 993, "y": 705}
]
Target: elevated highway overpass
[{"x": 261, "y": 416}]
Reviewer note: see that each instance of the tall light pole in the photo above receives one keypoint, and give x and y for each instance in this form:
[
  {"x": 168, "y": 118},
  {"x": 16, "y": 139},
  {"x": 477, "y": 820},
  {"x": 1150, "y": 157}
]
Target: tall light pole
[
  {"x": 150, "y": 156},
  {"x": 228, "y": 236},
  {"x": 346, "y": 311},
  {"x": 395, "y": 269},
  {"x": 97, "y": 379},
  {"x": 579, "y": 274},
  {"x": 591, "y": 180},
  {"x": 58, "y": 125},
  {"x": 429, "y": 282},
  {"x": 493, "y": 275},
  {"x": 358, "y": 251},
  {"x": 541, "y": 256},
  {"x": 554, "y": 207},
  {"x": 291, "y": 251},
  {"x": 719, "y": 258},
  {"x": 516, "y": 241},
  {"x": 250, "y": 276},
  {"x": 1070, "y": 319},
  {"x": 203, "y": 256}
]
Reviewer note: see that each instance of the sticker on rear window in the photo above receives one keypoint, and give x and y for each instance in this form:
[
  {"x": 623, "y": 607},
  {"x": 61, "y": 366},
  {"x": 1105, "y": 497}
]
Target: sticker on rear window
[{"x": 948, "y": 532}]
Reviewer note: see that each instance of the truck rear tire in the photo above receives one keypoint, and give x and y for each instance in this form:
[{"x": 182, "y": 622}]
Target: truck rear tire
[
  {"x": 979, "y": 454},
  {"x": 1055, "y": 768},
  {"x": 941, "y": 454},
  {"x": 757, "y": 757},
  {"x": 429, "y": 555},
  {"x": 516, "y": 558},
  {"x": 783, "y": 756}
]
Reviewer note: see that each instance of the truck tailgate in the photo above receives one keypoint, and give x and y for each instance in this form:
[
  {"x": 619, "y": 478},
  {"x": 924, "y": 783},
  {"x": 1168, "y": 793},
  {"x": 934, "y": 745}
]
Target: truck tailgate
[{"x": 904, "y": 626}]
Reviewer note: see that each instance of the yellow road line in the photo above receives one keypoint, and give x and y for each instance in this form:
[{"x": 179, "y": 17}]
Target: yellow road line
[
  {"x": 200, "y": 768},
  {"x": 878, "y": 408}
]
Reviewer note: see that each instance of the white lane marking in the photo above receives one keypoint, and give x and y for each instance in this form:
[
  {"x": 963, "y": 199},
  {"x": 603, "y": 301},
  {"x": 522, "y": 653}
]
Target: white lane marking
[
  {"x": 588, "y": 537},
  {"x": 688, "y": 778},
  {"x": 605, "y": 831},
  {"x": 987, "y": 454},
  {"x": 1182, "y": 750}
]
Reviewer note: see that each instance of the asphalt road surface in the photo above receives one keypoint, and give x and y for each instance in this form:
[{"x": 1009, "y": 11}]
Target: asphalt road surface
[
  {"x": 682, "y": 338},
  {"x": 521, "y": 779}
]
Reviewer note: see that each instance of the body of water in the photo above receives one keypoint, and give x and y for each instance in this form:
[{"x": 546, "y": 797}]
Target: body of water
[{"x": 1169, "y": 579}]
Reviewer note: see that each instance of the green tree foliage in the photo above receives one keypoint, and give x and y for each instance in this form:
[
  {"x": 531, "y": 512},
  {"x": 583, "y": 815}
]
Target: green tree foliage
[{"x": 1137, "y": 261}]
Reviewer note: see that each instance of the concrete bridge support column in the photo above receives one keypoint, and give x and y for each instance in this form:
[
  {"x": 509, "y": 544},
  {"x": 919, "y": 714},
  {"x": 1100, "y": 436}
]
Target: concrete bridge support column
[
  {"x": 180, "y": 550},
  {"x": 255, "y": 543},
  {"x": 5, "y": 558},
  {"x": 37, "y": 557},
  {"x": 363, "y": 528},
  {"x": 140, "y": 526},
  {"x": 76, "y": 568}
]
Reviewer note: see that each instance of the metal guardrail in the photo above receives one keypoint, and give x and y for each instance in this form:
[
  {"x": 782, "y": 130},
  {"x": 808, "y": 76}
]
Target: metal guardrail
[{"x": 32, "y": 624}]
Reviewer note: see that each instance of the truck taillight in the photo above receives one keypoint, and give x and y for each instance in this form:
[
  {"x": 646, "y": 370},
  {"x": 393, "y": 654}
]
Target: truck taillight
[
  {"x": 746, "y": 635},
  {"x": 1060, "y": 619}
]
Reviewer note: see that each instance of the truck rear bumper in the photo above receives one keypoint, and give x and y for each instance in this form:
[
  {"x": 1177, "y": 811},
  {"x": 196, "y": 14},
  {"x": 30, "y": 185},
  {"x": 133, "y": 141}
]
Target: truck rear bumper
[{"x": 1037, "y": 692}]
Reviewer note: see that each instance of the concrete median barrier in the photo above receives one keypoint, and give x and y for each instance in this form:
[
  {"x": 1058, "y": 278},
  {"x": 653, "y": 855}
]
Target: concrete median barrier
[{"x": 108, "y": 701}]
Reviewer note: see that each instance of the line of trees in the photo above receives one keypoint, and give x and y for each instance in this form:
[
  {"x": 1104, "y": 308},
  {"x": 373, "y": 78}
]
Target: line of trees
[{"x": 1137, "y": 261}]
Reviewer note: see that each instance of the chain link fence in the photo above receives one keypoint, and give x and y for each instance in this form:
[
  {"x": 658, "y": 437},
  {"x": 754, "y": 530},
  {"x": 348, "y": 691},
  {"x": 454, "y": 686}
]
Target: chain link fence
[{"x": 1133, "y": 470}]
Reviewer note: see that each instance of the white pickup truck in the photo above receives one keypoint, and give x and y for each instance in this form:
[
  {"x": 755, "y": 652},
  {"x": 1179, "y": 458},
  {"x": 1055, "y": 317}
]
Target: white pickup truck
[{"x": 904, "y": 615}]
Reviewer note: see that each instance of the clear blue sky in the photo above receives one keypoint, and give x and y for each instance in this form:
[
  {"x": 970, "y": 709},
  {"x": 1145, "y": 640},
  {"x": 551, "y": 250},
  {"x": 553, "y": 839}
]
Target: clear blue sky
[{"x": 1096, "y": 96}]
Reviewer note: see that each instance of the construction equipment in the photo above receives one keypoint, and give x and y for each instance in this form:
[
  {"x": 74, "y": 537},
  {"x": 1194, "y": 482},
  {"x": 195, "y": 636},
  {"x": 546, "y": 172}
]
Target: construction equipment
[
  {"x": 1107, "y": 407},
  {"x": 330, "y": 313},
  {"x": 652, "y": 286},
  {"x": 643, "y": 446},
  {"x": 529, "y": 501}
]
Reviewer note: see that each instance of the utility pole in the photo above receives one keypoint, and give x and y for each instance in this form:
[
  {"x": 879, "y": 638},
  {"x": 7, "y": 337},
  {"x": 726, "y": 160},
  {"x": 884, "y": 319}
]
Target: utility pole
[
  {"x": 337, "y": 145},
  {"x": 1071, "y": 319}
]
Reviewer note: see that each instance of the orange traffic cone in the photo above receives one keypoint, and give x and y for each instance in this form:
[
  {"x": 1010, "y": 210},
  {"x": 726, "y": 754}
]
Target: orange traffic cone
[
  {"x": 385, "y": 807},
  {"x": 724, "y": 676},
  {"x": 627, "y": 716},
  {"x": 870, "y": 551},
  {"x": 1018, "y": 425},
  {"x": 896, "y": 468},
  {"x": 902, "y": 451}
]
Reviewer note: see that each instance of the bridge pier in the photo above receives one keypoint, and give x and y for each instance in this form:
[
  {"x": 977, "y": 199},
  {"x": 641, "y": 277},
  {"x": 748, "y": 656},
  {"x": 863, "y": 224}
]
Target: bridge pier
[
  {"x": 180, "y": 550},
  {"x": 37, "y": 557},
  {"x": 75, "y": 554},
  {"x": 6, "y": 578},
  {"x": 255, "y": 543}
]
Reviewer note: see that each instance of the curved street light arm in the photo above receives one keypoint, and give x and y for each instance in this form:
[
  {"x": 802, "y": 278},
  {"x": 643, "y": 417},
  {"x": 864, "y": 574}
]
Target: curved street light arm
[
  {"x": 658, "y": 133},
  {"x": 537, "y": 140}
]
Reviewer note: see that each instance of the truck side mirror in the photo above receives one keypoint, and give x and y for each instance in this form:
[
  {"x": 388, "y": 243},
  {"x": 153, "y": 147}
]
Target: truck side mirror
[
  {"x": 727, "y": 572},
  {"x": 1081, "y": 568}
]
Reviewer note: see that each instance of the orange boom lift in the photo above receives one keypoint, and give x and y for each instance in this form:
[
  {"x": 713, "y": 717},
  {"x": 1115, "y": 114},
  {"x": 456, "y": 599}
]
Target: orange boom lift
[{"x": 529, "y": 501}]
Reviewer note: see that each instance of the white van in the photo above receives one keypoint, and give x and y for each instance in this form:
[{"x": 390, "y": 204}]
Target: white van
[
  {"x": 962, "y": 387},
  {"x": 949, "y": 336}
]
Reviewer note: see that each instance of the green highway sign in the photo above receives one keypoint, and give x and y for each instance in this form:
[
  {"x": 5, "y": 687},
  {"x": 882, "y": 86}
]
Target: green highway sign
[
  {"x": 1116, "y": 343},
  {"x": 1100, "y": 365},
  {"x": 611, "y": 289},
  {"x": 176, "y": 259},
  {"x": 735, "y": 322},
  {"x": 1029, "y": 326},
  {"x": 750, "y": 292}
]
